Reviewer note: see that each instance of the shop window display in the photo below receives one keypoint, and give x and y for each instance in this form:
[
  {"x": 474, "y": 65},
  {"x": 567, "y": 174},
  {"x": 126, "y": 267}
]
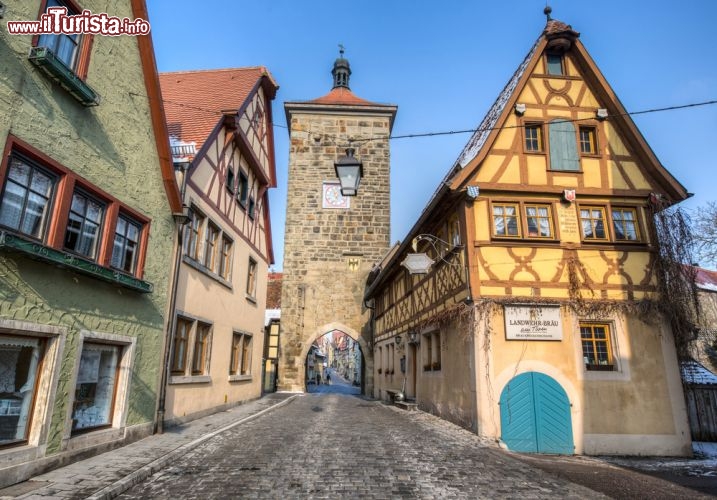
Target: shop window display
[
  {"x": 19, "y": 361},
  {"x": 95, "y": 388}
]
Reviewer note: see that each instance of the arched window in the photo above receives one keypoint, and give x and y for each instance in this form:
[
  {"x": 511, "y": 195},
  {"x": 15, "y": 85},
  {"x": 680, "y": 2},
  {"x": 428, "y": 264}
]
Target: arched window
[{"x": 563, "y": 146}]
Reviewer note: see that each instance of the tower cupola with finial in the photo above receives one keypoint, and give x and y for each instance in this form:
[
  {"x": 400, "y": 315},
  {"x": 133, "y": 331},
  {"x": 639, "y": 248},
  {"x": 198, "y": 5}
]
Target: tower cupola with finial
[{"x": 341, "y": 71}]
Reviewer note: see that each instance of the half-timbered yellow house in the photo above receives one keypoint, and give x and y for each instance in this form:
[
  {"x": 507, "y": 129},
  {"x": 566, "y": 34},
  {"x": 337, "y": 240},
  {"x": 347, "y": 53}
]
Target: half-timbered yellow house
[
  {"x": 220, "y": 125},
  {"x": 529, "y": 325}
]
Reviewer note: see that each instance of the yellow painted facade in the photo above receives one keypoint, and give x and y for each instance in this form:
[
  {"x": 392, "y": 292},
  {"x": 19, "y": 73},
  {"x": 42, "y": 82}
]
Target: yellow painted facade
[{"x": 562, "y": 217}]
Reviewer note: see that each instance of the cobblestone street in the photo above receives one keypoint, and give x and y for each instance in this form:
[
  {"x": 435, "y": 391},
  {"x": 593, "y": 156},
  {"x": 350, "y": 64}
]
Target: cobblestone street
[{"x": 339, "y": 446}]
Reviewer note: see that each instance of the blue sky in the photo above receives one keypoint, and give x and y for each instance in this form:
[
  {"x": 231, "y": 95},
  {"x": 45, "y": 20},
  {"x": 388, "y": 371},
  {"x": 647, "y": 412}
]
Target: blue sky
[{"x": 444, "y": 64}]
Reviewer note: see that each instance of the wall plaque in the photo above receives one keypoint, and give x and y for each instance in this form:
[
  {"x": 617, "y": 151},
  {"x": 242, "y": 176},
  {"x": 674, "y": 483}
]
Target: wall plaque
[{"x": 533, "y": 322}]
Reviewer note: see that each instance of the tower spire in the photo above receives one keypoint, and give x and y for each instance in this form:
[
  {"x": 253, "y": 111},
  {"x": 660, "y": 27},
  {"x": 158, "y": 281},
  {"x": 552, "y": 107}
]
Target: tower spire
[{"x": 342, "y": 70}]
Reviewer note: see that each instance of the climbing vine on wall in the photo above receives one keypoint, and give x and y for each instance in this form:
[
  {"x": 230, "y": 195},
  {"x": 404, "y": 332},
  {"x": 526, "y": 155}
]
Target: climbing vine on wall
[{"x": 677, "y": 291}]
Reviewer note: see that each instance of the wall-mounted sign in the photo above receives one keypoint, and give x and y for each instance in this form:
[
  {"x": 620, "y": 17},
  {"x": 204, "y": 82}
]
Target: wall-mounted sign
[{"x": 533, "y": 322}]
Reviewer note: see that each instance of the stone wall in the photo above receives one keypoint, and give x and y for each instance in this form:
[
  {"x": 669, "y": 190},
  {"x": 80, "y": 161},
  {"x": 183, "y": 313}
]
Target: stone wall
[{"x": 328, "y": 252}]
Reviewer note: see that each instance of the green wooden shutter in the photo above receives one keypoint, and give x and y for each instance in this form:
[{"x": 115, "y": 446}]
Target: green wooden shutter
[{"x": 563, "y": 146}]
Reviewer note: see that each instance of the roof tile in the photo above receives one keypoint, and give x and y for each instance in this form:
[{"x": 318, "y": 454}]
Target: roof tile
[{"x": 194, "y": 100}]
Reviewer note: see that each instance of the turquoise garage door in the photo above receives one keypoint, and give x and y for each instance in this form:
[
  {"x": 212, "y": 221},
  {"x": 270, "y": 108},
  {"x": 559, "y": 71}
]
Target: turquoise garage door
[{"x": 535, "y": 415}]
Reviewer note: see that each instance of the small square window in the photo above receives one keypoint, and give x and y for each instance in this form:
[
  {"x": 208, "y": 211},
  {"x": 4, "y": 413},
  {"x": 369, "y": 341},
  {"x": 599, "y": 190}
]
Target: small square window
[
  {"x": 554, "y": 64},
  {"x": 539, "y": 221},
  {"x": 534, "y": 138},
  {"x": 505, "y": 220},
  {"x": 592, "y": 221},
  {"x": 624, "y": 223},
  {"x": 588, "y": 141},
  {"x": 597, "y": 351}
]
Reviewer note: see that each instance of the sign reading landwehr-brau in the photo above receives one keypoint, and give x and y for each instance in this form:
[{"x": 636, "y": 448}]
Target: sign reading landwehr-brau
[{"x": 533, "y": 322}]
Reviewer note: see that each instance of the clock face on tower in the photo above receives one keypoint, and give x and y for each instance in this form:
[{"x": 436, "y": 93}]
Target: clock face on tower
[{"x": 332, "y": 197}]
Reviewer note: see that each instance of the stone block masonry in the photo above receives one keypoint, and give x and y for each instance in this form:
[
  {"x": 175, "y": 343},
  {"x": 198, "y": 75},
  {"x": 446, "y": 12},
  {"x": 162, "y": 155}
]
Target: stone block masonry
[{"x": 328, "y": 252}]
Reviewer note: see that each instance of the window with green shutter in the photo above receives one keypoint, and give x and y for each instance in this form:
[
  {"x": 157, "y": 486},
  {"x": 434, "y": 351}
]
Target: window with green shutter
[{"x": 563, "y": 146}]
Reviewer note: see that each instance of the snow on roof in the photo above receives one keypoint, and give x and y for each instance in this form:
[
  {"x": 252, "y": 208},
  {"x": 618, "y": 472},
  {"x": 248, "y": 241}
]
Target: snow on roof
[
  {"x": 694, "y": 373},
  {"x": 706, "y": 279},
  {"x": 270, "y": 314}
]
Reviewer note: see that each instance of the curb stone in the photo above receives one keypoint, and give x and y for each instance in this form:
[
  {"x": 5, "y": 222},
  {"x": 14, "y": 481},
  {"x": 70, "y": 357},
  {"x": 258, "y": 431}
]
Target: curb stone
[{"x": 118, "y": 487}]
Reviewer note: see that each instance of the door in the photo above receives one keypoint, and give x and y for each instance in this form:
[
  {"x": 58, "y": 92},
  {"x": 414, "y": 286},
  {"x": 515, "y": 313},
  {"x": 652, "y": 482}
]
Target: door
[{"x": 535, "y": 415}]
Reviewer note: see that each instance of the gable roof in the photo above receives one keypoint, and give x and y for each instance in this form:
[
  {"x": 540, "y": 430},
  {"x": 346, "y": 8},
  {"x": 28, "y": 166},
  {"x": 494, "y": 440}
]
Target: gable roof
[
  {"x": 194, "y": 100},
  {"x": 480, "y": 143}
]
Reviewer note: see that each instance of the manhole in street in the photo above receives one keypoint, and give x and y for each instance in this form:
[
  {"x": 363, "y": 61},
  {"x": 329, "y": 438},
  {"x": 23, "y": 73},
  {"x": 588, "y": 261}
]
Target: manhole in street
[{"x": 317, "y": 408}]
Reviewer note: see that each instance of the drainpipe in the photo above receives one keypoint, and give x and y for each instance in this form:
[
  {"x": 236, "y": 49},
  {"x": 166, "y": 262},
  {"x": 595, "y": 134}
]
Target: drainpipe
[{"x": 181, "y": 221}]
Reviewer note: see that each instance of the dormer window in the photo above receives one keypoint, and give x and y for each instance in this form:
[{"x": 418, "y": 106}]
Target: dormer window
[{"x": 554, "y": 64}]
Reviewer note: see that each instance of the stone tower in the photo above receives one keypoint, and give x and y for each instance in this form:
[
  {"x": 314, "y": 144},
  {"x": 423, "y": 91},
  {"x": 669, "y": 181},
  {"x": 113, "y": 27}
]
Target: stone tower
[{"x": 332, "y": 241}]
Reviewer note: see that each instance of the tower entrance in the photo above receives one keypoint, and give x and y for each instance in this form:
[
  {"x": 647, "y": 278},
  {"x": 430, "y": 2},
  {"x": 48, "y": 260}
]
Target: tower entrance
[{"x": 332, "y": 240}]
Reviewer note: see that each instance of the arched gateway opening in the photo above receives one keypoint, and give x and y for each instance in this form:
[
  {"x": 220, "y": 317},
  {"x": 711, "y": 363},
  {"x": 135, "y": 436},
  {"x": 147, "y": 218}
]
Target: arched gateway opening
[
  {"x": 334, "y": 361},
  {"x": 334, "y": 364}
]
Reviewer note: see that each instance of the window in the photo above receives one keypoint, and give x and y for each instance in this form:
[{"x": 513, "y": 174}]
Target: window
[
  {"x": 93, "y": 405},
  {"x": 181, "y": 343},
  {"x": 432, "y": 351},
  {"x": 252, "y": 207},
  {"x": 193, "y": 236},
  {"x": 192, "y": 341},
  {"x": 65, "y": 214},
  {"x": 65, "y": 47},
  {"x": 592, "y": 221},
  {"x": 243, "y": 189},
  {"x": 588, "y": 141},
  {"x": 231, "y": 180},
  {"x": 380, "y": 360},
  {"x": 201, "y": 348},
  {"x": 595, "y": 338},
  {"x": 505, "y": 220},
  {"x": 539, "y": 221},
  {"x": 20, "y": 361},
  {"x": 240, "y": 363},
  {"x": 624, "y": 223},
  {"x": 554, "y": 64},
  {"x": 84, "y": 225},
  {"x": 563, "y": 146},
  {"x": 454, "y": 231},
  {"x": 251, "y": 278},
  {"x": 124, "y": 251},
  {"x": 26, "y": 199},
  {"x": 534, "y": 138},
  {"x": 225, "y": 258},
  {"x": 210, "y": 246}
]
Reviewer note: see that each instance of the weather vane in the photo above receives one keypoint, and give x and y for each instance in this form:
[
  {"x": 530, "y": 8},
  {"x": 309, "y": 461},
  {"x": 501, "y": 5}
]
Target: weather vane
[
  {"x": 547, "y": 10},
  {"x": 341, "y": 49}
]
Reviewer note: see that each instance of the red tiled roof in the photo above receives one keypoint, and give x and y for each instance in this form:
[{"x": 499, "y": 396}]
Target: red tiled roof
[
  {"x": 342, "y": 95},
  {"x": 705, "y": 279},
  {"x": 194, "y": 100}
]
